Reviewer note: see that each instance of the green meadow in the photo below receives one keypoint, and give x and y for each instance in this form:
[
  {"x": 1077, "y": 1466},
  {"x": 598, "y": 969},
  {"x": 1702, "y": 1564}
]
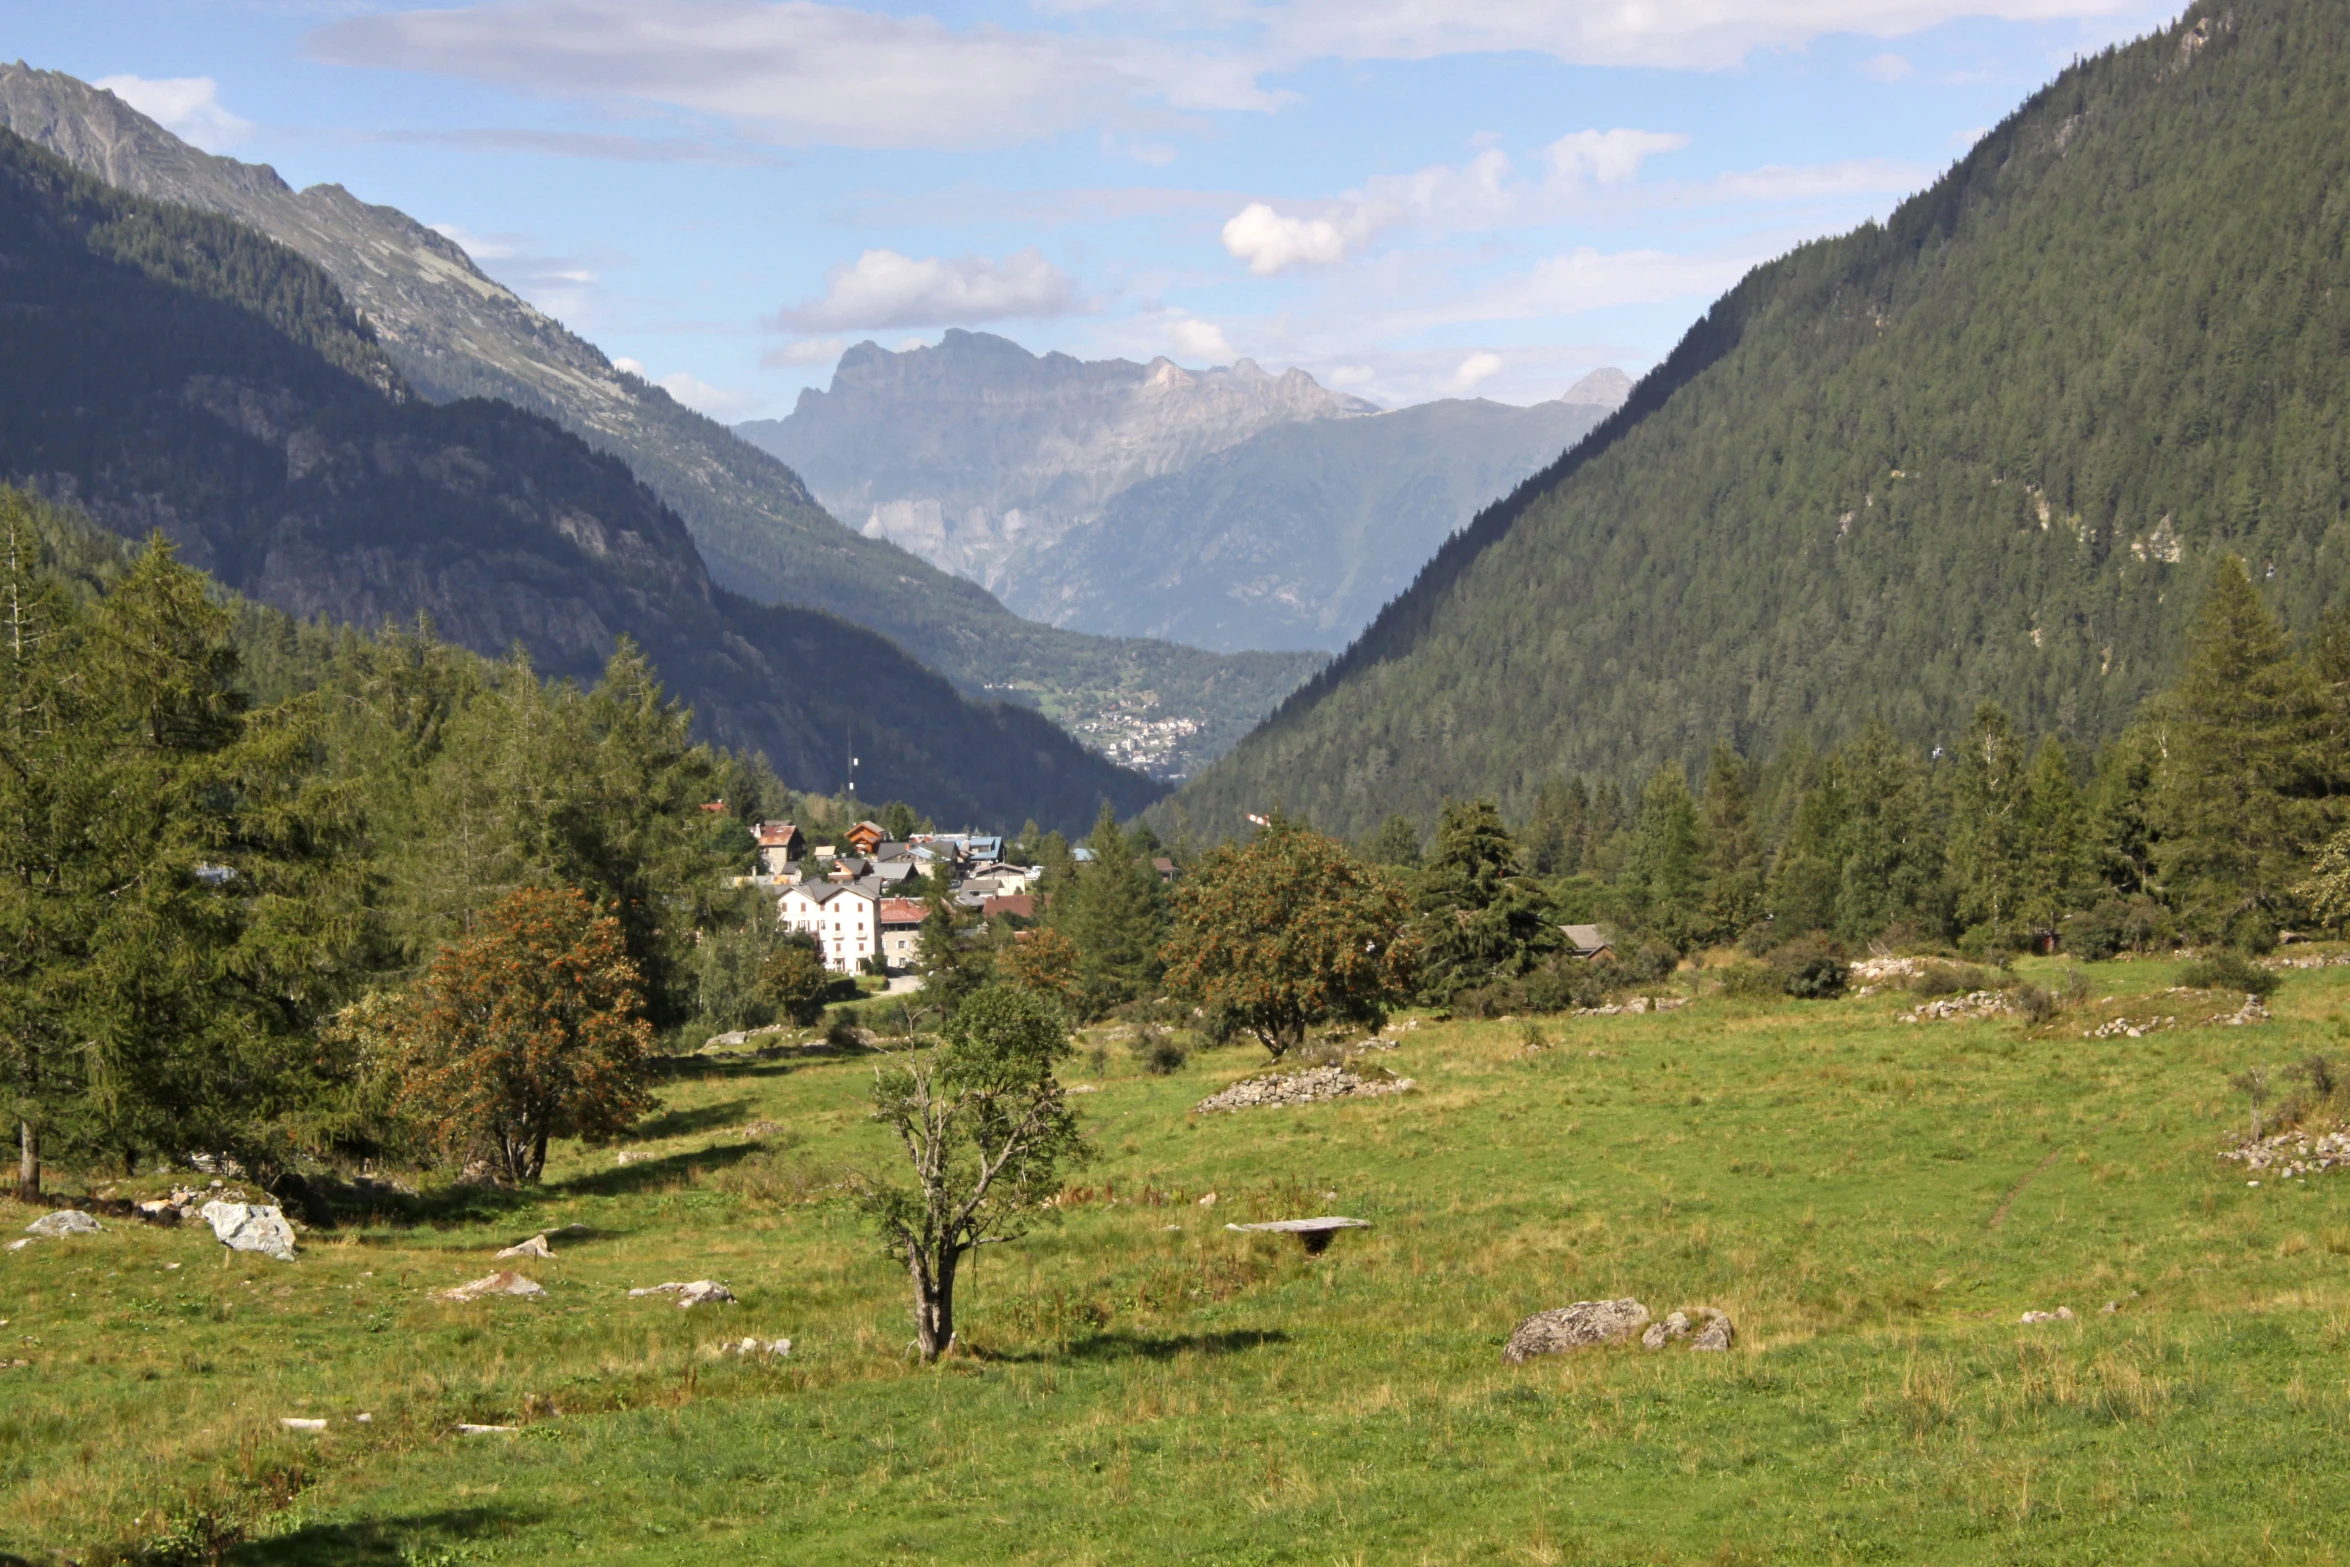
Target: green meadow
[{"x": 1874, "y": 1203}]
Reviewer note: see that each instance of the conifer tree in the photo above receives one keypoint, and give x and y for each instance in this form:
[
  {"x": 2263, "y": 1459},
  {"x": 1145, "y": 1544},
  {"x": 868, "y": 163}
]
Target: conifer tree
[
  {"x": 2121, "y": 811},
  {"x": 1478, "y": 916},
  {"x": 2055, "y": 834},
  {"x": 2240, "y": 803},
  {"x": 1116, "y": 914},
  {"x": 1663, "y": 883},
  {"x": 1734, "y": 862},
  {"x": 1991, "y": 800},
  {"x": 1889, "y": 854},
  {"x": 1396, "y": 843}
]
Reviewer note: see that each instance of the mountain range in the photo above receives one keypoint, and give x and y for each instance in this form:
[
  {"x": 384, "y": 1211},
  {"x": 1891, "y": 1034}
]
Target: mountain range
[
  {"x": 451, "y": 331},
  {"x": 1225, "y": 507},
  {"x": 1987, "y": 449},
  {"x": 171, "y": 370}
]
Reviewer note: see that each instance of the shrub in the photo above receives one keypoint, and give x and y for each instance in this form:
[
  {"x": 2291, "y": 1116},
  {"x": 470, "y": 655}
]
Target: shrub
[
  {"x": 2115, "y": 926},
  {"x": 1752, "y": 980},
  {"x": 2225, "y": 970},
  {"x": 1956, "y": 979},
  {"x": 1810, "y": 969},
  {"x": 2036, "y": 1004},
  {"x": 1157, "y": 1049}
]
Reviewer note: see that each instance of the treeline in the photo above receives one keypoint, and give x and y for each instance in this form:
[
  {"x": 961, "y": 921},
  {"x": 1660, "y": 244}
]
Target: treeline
[
  {"x": 220, "y": 829},
  {"x": 2216, "y": 818}
]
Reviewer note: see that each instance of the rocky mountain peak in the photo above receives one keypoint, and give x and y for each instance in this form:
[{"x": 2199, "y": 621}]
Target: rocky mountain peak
[{"x": 1607, "y": 388}]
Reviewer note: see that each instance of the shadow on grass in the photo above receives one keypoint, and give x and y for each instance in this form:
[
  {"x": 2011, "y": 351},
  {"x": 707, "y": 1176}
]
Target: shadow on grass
[
  {"x": 646, "y": 1174},
  {"x": 388, "y": 1542},
  {"x": 1149, "y": 1346},
  {"x": 684, "y": 1123}
]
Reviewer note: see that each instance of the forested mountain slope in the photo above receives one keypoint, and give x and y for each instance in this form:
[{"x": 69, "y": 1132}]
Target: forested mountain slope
[
  {"x": 1298, "y": 535},
  {"x": 453, "y": 332},
  {"x": 1988, "y": 449},
  {"x": 170, "y": 369}
]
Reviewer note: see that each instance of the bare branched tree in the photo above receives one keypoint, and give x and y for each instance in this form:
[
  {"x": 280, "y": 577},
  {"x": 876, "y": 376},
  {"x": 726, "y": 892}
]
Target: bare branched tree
[{"x": 987, "y": 1131}]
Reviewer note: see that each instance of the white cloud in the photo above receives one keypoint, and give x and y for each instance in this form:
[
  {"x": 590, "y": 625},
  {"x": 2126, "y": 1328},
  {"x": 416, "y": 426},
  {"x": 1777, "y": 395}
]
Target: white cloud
[
  {"x": 1887, "y": 68},
  {"x": 1812, "y": 181},
  {"x": 1608, "y": 157},
  {"x": 1685, "y": 34},
  {"x": 884, "y": 289},
  {"x": 1351, "y": 375},
  {"x": 703, "y": 398},
  {"x": 1270, "y": 242},
  {"x": 798, "y": 71},
  {"x": 807, "y": 351},
  {"x": 1197, "y": 339},
  {"x": 1478, "y": 367},
  {"x": 187, "y": 106},
  {"x": 635, "y": 367}
]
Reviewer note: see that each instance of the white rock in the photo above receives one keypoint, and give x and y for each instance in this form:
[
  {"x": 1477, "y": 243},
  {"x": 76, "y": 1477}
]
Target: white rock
[
  {"x": 465, "y": 1428},
  {"x": 251, "y": 1227},
  {"x": 295, "y": 1423},
  {"x": 699, "y": 1292},
  {"x": 536, "y": 1246}
]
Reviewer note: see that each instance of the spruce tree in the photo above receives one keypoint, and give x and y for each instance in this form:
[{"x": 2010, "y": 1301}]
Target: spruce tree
[
  {"x": 2055, "y": 839},
  {"x": 2241, "y": 799},
  {"x": 1733, "y": 897},
  {"x": 1668, "y": 872},
  {"x": 1396, "y": 843},
  {"x": 1990, "y": 808},
  {"x": 1115, "y": 912}
]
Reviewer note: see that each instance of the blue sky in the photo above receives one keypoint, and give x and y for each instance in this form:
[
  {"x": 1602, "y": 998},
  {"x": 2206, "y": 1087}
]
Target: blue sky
[{"x": 1409, "y": 198}]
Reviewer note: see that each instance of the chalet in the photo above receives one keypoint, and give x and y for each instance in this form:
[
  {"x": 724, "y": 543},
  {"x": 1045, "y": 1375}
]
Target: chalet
[
  {"x": 844, "y": 919},
  {"x": 1019, "y": 908},
  {"x": 1165, "y": 867},
  {"x": 901, "y": 931},
  {"x": 866, "y": 837},
  {"x": 780, "y": 843},
  {"x": 1587, "y": 941}
]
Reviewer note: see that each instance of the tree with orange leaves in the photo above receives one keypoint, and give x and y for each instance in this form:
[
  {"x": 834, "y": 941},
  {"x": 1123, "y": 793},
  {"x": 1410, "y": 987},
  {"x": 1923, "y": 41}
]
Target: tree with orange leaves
[
  {"x": 1047, "y": 963},
  {"x": 531, "y": 1028}
]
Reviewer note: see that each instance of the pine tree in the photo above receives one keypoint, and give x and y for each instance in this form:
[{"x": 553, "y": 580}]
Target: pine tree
[
  {"x": 1663, "y": 884},
  {"x": 2055, "y": 840},
  {"x": 1478, "y": 916}
]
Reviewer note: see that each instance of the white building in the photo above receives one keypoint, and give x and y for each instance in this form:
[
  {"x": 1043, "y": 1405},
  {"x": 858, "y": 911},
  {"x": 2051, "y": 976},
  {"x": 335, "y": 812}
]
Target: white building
[{"x": 846, "y": 921}]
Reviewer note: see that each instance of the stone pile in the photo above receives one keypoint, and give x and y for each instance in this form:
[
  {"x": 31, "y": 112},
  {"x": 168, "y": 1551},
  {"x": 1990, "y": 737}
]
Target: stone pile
[
  {"x": 1876, "y": 971},
  {"x": 2129, "y": 1028},
  {"x": 743, "y": 1349},
  {"x": 1303, "y": 1088},
  {"x": 182, "y": 1206},
  {"x": 1634, "y": 1007},
  {"x": 1974, "y": 1004},
  {"x": 2252, "y": 1011},
  {"x": 2314, "y": 960},
  {"x": 2295, "y": 1153},
  {"x": 1715, "y": 1335}
]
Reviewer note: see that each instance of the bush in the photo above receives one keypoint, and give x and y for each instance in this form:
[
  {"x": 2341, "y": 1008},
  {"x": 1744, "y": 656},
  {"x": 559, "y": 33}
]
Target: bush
[
  {"x": 1157, "y": 1049},
  {"x": 1752, "y": 980},
  {"x": 1650, "y": 962},
  {"x": 2117, "y": 925},
  {"x": 2231, "y": 971},
  {"x": 1810, "y": 969},
  {"x": 2036, "y": 1004},
  {"x": 1561, "y": 986},
  {"x": 1956, "y": 979}
]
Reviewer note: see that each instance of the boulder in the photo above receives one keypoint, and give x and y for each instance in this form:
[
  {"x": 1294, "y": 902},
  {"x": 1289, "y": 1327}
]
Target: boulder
[
  {"x": 1675, "y": 1325},
  {"x": 536, "y": 1246},
  {"x": 1715, "y": 1335},
  {"x": 65, "y": 1221},
  {"x": 1585, "y": 1323},
  {"x": 503, "y": 1282},
  {"x": 242, "y": 1226},
  {"x": 699, "y": 1292}
]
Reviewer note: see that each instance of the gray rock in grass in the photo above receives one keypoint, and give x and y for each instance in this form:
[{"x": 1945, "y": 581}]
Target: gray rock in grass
[
  {"x": 65, "y": 1221},
  {"x": 243, "y": 1226},
  {"x": 1580, "y": 1326}
]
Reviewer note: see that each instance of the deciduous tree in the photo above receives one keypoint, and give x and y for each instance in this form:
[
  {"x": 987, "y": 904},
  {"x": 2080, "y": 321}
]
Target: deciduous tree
[
  {"x": 986, "y": 1131},
  {"x": 529, "y": 1029},
  {"x": 1288, "y": 932}
]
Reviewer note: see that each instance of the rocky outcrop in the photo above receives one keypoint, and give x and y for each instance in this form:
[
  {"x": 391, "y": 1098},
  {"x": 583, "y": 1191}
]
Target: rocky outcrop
[
  {"x": 1717, "y": 1333},
  {"x": 1584, "y": 1325},
  {"x": 503, "y": 1282},
  {"x": 65, "y": 1221},
  {"x": 701, "y": 1292}
]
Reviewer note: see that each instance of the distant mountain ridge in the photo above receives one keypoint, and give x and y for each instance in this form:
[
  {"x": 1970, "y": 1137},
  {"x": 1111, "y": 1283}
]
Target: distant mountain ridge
[
  {"x": 1153, "y": 500},
  {"x": 1988, "y": 449},
  {"x": 170, "y": 369},
  {"x": 454, "y": 332},
  {"x": 1298, "y": 535},
  {"x": 979, "y": 455}
]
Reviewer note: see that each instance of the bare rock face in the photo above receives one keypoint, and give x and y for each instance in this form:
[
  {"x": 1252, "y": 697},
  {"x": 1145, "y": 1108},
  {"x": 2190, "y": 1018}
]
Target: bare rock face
[
  {"x": 243, "y": 1226},
  {"x": 1584, "y": 1324}
]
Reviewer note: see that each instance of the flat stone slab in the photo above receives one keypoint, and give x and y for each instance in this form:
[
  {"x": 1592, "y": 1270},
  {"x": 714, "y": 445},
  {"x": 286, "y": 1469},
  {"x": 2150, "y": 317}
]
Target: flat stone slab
[
  {"x": 1315, "y": 1233},
  {"x": 1580, "y": 1326},
  {"x": 699, "y": 1292},
  {"x": 503, "y": 1282}
]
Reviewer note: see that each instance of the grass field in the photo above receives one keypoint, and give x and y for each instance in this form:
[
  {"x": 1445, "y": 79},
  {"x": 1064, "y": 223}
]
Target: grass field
[{"x": 1874, "y": 1203}]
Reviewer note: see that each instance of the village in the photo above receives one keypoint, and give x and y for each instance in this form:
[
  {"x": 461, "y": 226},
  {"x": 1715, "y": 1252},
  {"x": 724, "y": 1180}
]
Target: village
[{"x": 863, "y": 899}]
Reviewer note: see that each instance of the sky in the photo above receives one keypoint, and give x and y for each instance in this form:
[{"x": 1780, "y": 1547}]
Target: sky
[{"x": 1410, "y": 199}]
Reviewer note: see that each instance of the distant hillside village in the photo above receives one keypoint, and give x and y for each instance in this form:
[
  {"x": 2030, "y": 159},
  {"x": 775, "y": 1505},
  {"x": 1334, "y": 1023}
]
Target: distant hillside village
[{"x": 864, "y": 898}]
